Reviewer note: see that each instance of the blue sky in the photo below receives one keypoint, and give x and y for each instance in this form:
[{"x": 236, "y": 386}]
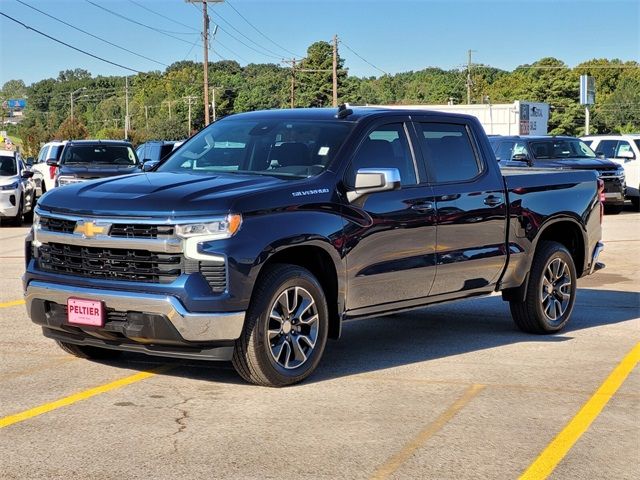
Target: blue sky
[{"x": 394, "y": 35}]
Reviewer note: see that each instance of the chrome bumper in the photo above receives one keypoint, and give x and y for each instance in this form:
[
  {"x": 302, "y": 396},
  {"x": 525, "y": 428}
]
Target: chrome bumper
[{"x": 193, "y": 327}]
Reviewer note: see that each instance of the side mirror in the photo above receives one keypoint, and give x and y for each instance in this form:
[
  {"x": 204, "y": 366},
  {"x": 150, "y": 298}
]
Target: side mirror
[
  {"x": 149, "y": 165},
  {"x": 52, "y": 162},
  {"x": 26, "y": 174},
  {"x": 372, "y": 180},
  {"x": 600, "y": 155},
  {"x": 521, "y": 157},
  {"x": 628, "y": 155}
]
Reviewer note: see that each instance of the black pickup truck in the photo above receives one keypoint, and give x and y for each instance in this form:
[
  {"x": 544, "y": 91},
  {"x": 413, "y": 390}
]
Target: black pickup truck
[{"x": 267, "y": 230}]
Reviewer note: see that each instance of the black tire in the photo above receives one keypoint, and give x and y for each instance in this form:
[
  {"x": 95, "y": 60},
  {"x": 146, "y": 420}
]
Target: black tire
[
  {"x": 88, "y": 352},
  {"x": 28, "y": 217},
  {"x": 18, "y": 220},
  {"x": 635, "y": 201},
  {"x": 253, "y": 356},
  {"x": 613, "y": 209},
  {"x": 531, "y": 315}
]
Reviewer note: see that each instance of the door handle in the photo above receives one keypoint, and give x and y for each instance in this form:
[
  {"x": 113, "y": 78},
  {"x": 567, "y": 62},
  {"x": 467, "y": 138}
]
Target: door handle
[
  {"x": 423, "y": 207},
  {"x": 493, "y": 200}
]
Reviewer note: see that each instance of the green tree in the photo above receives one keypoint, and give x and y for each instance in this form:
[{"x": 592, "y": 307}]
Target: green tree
[
  {"x": 315, "y": 88},
  {"x": 72, "y": 130}
]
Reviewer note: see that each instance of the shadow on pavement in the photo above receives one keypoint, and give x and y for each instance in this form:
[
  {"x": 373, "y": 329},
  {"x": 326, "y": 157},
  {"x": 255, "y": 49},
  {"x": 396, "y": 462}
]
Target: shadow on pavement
[{"x": 418, "y": 336}]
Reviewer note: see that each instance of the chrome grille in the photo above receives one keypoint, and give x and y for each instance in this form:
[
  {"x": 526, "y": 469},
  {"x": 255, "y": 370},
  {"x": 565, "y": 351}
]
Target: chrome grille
[
  {"x": 59, "y": 225},
  {"x": 140, "y": 231},
  {"x": 110, "y": 263}
]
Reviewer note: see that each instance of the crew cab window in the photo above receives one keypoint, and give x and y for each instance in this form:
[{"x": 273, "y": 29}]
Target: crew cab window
[
  {"x": 448, "y": 152},
  {"x": 385, "y": 147},
  {"x": 42, "y": 156},
  {"x": 503, "y": 151},
  {"x": 607, "y": 147}
]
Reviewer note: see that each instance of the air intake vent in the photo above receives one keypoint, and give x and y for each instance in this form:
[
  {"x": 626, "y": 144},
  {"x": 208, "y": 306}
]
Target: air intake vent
[{"x": 216, "y": 275}]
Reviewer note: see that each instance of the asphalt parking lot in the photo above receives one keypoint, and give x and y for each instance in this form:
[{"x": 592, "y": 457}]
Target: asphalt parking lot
[{"x": 450, "y": 391}]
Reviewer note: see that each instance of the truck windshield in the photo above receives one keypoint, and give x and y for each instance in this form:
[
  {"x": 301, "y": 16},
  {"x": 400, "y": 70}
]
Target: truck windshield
[
  {"x": 8, "y": 167},
  {"x": 282, "y": 148},
  {"x": 99, "y": 154},
  {"x": 558, "y": 149}
]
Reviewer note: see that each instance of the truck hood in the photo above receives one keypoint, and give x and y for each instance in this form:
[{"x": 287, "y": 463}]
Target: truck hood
[
  {"x": 578, "y": 164},
  {"x": 155, "y": 194},
  {"x": 92, "y": 171}
]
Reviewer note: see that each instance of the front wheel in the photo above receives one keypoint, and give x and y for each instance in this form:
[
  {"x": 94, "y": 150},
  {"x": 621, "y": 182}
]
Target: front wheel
[
  {"x": 18, "y": 220},
  {"x": 285, "y": 330},
  {"x": 551, "y": 291}
]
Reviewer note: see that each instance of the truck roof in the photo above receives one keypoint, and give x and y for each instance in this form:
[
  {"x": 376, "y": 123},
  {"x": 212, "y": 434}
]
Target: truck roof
[
  {"x": 531, "y": 137},
  {"x": 358, "y": 113},
  {"x": 97, "y": 142}
]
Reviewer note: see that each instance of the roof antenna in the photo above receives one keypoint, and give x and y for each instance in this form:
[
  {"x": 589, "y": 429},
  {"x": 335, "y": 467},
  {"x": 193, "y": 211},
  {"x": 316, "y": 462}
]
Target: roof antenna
[{"x": 344, "y": 111}]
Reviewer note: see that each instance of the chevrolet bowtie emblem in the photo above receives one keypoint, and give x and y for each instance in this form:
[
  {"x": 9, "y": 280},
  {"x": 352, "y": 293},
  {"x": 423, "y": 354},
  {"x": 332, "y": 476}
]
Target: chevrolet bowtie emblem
[{"x": 90, "y": 229}]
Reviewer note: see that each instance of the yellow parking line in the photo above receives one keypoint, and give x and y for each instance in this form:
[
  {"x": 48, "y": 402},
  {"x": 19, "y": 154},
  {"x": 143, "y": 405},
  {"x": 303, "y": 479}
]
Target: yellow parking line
[
  {"x": 391, "y": 465},
  {"x": 12, "y": 303},
  {"x": 552, "y": 455},
  {"x": 71, "y": 399}
]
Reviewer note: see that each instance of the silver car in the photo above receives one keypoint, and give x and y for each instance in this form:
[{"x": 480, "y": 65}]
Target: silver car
[{"x": 17, "y": 188}]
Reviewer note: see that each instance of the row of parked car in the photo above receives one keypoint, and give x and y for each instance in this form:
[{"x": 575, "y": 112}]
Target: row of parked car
[{"x": 59, "y": 163}]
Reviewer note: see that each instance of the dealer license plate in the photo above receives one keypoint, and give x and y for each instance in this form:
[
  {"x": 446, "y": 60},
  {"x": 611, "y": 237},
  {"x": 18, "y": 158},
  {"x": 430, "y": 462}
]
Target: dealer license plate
[{"x": 85, "y": 312}]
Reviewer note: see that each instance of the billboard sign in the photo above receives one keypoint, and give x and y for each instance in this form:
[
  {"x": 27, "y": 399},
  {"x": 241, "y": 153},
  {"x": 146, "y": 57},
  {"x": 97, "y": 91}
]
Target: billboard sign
[
  {"x": 534, "y": 118},
  {"x": 14, "y": 103},
  {"x": 587, "y": 90}
]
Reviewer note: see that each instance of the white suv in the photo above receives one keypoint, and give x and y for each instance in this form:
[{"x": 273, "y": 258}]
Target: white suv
[
  {"x": 50, "y": 151},
  {"x": 17, "y": 189},
  {"x": 625, "y": 150}
]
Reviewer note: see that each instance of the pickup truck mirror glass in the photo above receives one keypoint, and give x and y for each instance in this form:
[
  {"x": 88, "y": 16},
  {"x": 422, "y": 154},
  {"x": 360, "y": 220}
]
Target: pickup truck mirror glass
[
  {"x": 626, "y": 155},
  {"x": 26, "y": 174},
  {"x": 372, "y": 180},
  {"x": 52, "y": 162},
  {"x": 148, "y": 165}
]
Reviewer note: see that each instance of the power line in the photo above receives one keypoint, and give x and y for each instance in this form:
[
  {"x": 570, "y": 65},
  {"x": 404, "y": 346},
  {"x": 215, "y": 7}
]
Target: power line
[
  {"x": 158, "y": 30},
  {"x": 271, "y": 52},
  {"x": 362, "y": 58},
  {"x": 68, "y": 45},
  {"x": 164, "y": 16},
  {"x": 260, "y": 32},
  {"x": 91, "y": 34}
]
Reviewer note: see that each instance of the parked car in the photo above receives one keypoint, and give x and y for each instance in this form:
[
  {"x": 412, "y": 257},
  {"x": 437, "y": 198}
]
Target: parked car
[
  {"x": 83, "y": 160},
  {"x": 17, "y": 189},
  {"x": 564, "y": 153},
  {"x": 156, "y": 150},
  {"x": 49, "y": 151},
  {"x": 625, "y": 150},
  {"x": 268, "y": 229}
]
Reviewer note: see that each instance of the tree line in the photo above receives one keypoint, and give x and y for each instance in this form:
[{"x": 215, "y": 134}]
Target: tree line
[{"x": 159, "y": 101}]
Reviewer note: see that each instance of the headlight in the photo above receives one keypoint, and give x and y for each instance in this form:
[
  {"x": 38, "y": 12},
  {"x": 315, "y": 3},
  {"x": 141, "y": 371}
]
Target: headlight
[
  {"x": 215, "y": 229},
  {"x": 11, "y": 186},
  {"x": 67, "y": 179}
]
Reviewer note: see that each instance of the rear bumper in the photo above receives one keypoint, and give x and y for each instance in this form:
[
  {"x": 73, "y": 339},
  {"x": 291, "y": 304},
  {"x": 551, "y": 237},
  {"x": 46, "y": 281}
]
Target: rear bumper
[
  {"x": 132, "y": 318},
  {"x": 595, "y": 265}
]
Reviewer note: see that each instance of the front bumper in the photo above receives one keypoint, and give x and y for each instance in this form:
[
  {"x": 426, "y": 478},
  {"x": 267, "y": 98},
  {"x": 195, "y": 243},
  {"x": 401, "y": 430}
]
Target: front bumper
[
  {"x": 134, "y": 320},
  {"x": 614, "y": 190},
  {"x": 9, "y": 203}
]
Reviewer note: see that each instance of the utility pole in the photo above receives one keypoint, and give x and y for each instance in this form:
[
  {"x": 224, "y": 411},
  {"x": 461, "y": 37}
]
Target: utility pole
[
  {"x": 146, "y": 116},
  {"x": 168, "y": 102},
  {"x": 190, "y": 98},
  {"x": 205, "y": 44},
  {"x": 126, "y": 107},
  {"x": 293, "y": 80},
  {"x": 469, "y": 82},
  {"x": 335, "y": 70},
  {"x": 72, "y": 94}
]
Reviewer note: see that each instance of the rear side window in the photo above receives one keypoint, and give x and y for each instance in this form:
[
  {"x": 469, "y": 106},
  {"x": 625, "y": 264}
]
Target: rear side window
[
  {"x": 448, "y": 152},
  {"x": 504, "y": 150}
]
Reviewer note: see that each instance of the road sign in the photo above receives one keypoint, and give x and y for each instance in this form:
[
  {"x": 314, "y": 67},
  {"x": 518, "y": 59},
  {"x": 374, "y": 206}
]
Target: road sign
[{"x": 587, "y": 90}]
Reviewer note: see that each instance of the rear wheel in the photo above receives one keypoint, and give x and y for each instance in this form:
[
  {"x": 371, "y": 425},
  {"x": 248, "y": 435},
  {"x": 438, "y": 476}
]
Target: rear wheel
[
  {"x": 285, "y": 330},
  {"x": 85, "y": 351},
  {"x": 551, "y": 291}
]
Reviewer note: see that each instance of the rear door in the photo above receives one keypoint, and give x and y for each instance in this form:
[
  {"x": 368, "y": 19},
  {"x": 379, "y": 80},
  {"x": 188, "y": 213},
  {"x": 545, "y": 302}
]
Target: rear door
[
  {"x": 391, "y": 236},
  {"x": 471, "y": 210}
]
